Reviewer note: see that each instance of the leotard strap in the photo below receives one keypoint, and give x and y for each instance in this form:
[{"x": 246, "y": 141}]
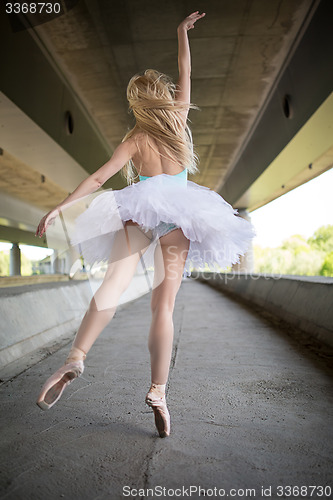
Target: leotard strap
[{"x": 182, "y": 175}]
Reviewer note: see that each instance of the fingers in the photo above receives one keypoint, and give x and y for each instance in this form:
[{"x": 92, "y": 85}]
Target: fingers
[
  {"x": 42, "y": 231},
  {"x": 195, "y": 16},
  {"x": 47, "y": 220},
  {"x": 41, "y": 228},
  {"x": 39, "y": 232},
  {"x": 189, "y": 21}
]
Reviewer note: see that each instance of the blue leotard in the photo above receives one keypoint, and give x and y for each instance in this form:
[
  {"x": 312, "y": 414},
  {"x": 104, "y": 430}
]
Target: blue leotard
[{"x": 182, "y": 175}]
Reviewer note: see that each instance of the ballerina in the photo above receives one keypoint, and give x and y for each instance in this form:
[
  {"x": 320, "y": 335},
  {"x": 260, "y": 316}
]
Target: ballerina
[{"x": 191, "y": 225}]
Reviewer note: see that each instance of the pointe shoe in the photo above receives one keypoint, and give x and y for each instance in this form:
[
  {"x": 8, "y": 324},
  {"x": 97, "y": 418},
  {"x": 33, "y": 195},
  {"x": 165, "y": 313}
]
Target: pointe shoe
[
  {"x": 55, "y": 385},
  {"x": 161, "y": 413}
]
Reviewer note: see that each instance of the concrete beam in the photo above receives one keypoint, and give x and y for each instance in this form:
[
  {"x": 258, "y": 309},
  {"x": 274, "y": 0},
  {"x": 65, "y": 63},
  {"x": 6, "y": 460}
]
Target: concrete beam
[
  {"x": 48, "y": 99},
  {"x": 307, "y": 155},
  {"x": 28, "y": 145},
  {"x": 8, "y": 234},
  {"x": 304, "y": 83}
]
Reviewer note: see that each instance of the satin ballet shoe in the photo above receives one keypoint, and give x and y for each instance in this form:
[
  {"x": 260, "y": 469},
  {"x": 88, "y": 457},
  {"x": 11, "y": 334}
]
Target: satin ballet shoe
[
  {"x": 161, "y": 413},
  {"x": 55, "y": 385}
]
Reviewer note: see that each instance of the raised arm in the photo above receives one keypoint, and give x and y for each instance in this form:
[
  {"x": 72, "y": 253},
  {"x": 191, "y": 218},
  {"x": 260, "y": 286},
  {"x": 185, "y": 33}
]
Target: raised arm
[
  {"x": 121, "y": 155},
  {"x": 184, "y": 59}
]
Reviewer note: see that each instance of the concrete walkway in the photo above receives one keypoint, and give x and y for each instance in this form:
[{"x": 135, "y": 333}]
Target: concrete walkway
[{"x": 250, "y": 408}]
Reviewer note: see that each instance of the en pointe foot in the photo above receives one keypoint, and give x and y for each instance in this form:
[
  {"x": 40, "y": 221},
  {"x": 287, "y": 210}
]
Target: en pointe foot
[
  {"x": 156, "y": 400},
  {"x": 56, "y": 384}
]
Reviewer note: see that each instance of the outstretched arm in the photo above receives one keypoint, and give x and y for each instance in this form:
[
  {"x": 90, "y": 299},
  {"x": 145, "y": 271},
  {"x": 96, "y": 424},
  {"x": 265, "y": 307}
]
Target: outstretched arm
[
  {"x": 121, "y": 155},
  {"x": 184, "y": 59}
]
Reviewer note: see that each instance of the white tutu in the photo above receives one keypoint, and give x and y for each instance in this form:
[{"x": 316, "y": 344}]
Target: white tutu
[{"x": 218, "y": 236}]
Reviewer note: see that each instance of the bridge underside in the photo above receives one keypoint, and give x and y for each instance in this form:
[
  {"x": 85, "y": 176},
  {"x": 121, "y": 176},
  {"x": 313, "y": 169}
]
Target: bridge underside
[{"x": 63, "y": 107}]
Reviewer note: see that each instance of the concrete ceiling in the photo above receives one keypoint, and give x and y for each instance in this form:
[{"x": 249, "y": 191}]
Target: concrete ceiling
[{"x": 237, "y": 51}]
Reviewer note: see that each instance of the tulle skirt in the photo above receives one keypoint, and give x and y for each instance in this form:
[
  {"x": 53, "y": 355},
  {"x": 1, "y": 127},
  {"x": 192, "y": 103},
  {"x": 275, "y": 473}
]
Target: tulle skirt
[{"x": 218, "y": 235}]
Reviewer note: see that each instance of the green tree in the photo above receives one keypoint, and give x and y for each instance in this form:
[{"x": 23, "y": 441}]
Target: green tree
[
  {"x": 322, "y": 239},
  {"x": 327, "y": 267},
  {"x": 4, "y": 263},
  {"x": 284, "y": 260},
  {"x": 296, "y": 244},
  {"x": 298, "y": 255}
]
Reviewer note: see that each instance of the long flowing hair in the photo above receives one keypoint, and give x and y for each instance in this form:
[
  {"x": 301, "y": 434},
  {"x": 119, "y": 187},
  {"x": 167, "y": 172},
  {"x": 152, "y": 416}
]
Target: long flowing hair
[{"x": 151, "y": 98}]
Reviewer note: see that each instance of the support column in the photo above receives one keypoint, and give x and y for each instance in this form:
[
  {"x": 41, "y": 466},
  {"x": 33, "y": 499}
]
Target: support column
[
  {"x": 70, "y": 258},
  {"x": 55, "y": 263},
  {"x": 246, "y": 263},
  {"x": 15, "y": 260}
]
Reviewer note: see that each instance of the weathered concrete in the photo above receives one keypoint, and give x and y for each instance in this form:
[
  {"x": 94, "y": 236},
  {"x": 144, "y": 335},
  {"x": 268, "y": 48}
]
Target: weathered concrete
[
  {"x": 33, "y": 316},
  {"x": 250, "y": 407},
  {"x": 303, "y": 301},
  {"x": 15, "y": 260}
]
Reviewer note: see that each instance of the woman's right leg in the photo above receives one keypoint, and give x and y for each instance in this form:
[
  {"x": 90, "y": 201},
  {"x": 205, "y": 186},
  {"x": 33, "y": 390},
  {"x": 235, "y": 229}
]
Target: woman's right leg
[{"x": 127, "y": 249}]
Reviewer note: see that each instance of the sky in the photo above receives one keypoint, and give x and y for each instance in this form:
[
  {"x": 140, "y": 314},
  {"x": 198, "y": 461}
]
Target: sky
[{"x": 301, "y": 211}]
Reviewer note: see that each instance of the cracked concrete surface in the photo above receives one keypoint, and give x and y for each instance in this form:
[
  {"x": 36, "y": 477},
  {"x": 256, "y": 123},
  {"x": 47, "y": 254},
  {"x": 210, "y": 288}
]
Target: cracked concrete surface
[{"x": 249, "y": 406}]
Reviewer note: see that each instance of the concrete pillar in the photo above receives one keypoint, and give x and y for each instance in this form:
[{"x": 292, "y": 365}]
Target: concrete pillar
[
  {"x": 15, "y": 260},
  {"x": 55, "y": 262},
  {"x": 71, "y": 257},
  {"x": 246, "y": 263}
]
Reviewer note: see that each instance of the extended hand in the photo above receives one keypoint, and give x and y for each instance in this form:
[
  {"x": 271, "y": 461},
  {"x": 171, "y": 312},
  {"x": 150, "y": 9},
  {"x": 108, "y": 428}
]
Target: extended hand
[
  {"x": 46, "y": 221},
  {"x": 189, "y": 21}
]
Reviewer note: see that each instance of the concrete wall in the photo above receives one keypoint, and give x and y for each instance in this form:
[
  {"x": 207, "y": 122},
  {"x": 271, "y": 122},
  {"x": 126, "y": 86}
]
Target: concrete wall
[
  {"x": 303, "y": 301},
  {"x": 34, "y": 316}
]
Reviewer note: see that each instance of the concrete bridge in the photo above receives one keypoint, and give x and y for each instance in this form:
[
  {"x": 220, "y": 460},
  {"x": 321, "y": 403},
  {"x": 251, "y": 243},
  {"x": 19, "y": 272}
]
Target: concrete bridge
[
  {"x": 261, "y": 76},
  {"x": 250, "y": 387}
]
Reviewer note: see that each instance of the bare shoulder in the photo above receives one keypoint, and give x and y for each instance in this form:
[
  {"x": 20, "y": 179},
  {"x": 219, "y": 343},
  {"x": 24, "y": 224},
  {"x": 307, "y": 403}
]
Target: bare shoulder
[{"x": 131, "y": 144}]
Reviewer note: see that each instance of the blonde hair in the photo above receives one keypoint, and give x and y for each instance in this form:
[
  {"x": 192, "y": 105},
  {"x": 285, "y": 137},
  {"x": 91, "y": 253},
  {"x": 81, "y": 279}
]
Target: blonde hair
[{"x": 151, "y": 98}]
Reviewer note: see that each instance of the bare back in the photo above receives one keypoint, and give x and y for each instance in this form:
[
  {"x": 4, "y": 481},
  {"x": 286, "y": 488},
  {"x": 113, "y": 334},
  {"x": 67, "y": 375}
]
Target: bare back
[{"x": 152, "y": 159}]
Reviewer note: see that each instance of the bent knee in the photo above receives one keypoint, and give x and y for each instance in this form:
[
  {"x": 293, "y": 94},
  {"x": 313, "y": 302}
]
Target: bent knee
[
  {"x": 116, "y": 282},
  {"x": 165, "y": 306}
]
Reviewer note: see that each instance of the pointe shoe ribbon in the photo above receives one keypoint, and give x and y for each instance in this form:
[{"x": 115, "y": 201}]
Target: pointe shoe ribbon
[
  {"x": 55, "y": 385},
  {"x": 161, "y": 413}
]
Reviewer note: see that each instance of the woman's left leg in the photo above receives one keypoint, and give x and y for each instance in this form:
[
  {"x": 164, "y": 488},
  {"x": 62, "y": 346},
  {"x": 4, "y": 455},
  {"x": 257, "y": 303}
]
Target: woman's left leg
[{"x": 174, "y": 250}]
